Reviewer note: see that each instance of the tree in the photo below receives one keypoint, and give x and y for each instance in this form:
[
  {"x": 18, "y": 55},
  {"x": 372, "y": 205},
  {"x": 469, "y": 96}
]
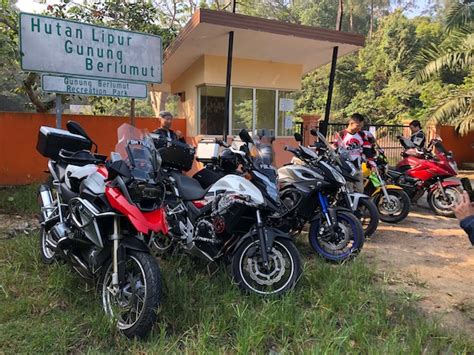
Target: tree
[{"x": 455, "y": 56}]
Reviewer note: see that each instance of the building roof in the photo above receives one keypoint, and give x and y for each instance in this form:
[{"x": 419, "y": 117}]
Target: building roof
[{"x": 254, "y": 38}]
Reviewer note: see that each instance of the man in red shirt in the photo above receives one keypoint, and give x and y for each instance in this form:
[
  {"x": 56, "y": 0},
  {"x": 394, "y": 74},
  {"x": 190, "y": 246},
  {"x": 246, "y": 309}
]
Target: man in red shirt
[{"x": 353, "y": 141}]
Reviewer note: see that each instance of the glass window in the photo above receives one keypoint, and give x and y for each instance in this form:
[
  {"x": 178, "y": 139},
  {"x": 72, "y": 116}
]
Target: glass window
[
  {"x": 212, "y": 110},
  {"x": 286, "y": 119},
  {"x": 265, "y": 111},
  {"x": 242, "y": 109}
]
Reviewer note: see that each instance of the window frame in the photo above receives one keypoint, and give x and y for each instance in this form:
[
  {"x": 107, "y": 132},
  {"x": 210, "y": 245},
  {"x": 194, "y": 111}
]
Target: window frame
[{"x": 254, "y": 107}]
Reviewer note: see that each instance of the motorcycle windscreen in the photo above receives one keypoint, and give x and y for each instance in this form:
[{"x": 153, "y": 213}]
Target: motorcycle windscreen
[{"x": 138, "y": 151}]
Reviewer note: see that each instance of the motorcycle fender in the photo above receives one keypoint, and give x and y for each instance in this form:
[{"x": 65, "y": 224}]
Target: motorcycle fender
[
  {"x": 270, "y": 234},
  {"x": 389, "y": 187},
  {"x": 444, "y": 183},
  {"x": 134, "y": 244}
]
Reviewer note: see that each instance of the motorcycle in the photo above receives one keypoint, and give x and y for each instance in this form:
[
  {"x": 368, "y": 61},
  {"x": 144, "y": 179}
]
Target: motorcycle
[
  {"x": 303, "y": 192},
  {"x": 102, "y": 217},
  {"x": 360, "y": 204},
  {"x": 422, "y": 172},
  {"x": 230, "y": 221},
  {"x": 335, "y": 233}
]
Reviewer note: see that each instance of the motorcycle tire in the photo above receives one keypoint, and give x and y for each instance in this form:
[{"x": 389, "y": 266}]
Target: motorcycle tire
[
  {"x": 368, "y": 215},
  {"x": 403, "y": 210},
  {"x": 326, "y": 247},
  {"x": 441, "y": 208},
  {"x": 250, "y": 275},
  {"x": 143, "y": 270}
]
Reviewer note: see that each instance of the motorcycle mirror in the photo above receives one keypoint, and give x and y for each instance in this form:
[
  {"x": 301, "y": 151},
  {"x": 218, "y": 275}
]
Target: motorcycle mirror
[
  {"x": 298, "y": 137},
  {"x": 314, "y": 132},
  {"x": 245, "y": 136},
  {"x": 118, "y": 168}
]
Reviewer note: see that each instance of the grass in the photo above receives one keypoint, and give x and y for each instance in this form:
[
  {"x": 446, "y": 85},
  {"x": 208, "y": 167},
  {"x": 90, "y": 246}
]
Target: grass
[
  {"x": 335, "y": 308},
  {"x": 19, "y": 199}
]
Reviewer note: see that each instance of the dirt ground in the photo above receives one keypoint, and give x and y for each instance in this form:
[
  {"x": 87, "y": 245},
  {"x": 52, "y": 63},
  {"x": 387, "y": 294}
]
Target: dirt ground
[{"x": 426, "y": 258}]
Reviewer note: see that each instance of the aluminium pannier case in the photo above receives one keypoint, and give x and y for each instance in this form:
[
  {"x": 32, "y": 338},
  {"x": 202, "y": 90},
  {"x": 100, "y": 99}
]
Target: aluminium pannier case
[{"x": 52, "y": 140}]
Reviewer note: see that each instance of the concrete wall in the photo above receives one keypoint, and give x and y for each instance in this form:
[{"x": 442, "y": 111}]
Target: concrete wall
[
  {"x": 462, "y": 146},
  {"x": 20, "y": 163}
]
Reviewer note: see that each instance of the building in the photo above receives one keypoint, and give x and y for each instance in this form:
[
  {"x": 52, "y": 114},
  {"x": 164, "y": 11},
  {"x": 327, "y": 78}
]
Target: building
[{"x": 269, "y": 60}]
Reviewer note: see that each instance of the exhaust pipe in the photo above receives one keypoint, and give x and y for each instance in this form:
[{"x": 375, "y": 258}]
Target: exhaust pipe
[{"x": 46, "y": 200}]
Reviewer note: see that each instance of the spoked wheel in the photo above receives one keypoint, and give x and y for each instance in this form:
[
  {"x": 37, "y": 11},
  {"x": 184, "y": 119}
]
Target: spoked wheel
[
  {"x": 395, "y": 209},
  {"x": 442, "y": 205},
  {"x": 47, "y": 247},
  {"x": 281, "y": 275},
  {"x": 368, "y": 216},
  {"x": 133, "y": 305},
  {"x": 344, "y": 241},
  {"x": 161, "y": 245},
  {"x": 46, "y": 242}
]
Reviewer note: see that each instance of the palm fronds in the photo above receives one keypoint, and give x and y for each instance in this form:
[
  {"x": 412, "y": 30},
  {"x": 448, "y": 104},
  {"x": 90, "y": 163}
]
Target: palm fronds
[
  {"x": 458, "y": 109},
  {"x": 460, "y": 15}
]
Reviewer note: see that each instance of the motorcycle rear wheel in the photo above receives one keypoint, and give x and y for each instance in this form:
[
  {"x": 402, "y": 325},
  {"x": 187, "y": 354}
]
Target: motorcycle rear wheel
[
  {"x": 343, "y": 244},
  {"x": 439, "y": 205},
  {"x": 135, "y": 305},
  {"x": 281, "y": 275}
]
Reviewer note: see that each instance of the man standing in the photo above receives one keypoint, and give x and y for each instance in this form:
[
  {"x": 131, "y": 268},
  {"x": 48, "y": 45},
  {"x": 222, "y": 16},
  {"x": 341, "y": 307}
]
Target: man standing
[
  {"x": 165, "y": 130},
  {"x": 417, "y": 135},
  {"x": 353, "y": 141}
]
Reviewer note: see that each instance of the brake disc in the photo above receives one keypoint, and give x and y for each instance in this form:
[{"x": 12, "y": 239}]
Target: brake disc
[{"x": 268, "y": 278}]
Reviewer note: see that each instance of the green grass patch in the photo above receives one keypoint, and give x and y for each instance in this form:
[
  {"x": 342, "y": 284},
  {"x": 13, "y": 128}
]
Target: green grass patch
[
  {"x": 19, "y": 200},
  {"x": 335, "y": 308}
]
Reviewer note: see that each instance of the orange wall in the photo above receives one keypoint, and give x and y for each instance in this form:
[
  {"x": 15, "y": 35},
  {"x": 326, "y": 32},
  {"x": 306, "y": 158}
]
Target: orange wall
[
  {"x": 462, "y": 146},
  {"x": 20, "y": 163}
]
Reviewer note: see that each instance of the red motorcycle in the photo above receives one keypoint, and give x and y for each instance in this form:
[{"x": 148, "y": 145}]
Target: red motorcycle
[
  {"x": 101, "y": 217},
  {"x": 421, "y": 171}
]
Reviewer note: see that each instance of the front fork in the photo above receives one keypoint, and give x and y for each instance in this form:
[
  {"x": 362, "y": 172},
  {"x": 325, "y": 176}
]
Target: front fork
[
  {"x": 117, "y": 259},
  {"x": 441, "y": 188},
  {"x": 329, "y": 213},
  {"x": 263, "y": 240}
]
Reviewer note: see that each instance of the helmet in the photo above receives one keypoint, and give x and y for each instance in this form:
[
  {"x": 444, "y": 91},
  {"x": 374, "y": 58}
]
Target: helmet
[{"x": 228, "y": 160}]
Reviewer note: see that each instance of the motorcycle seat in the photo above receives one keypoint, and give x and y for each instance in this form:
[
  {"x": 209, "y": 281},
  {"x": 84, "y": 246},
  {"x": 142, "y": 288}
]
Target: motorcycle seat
[{"x": 189, "y": 188}]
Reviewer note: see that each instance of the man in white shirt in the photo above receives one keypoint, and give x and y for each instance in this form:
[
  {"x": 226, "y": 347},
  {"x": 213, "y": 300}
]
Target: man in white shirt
[{"x": 353, "y": 141}]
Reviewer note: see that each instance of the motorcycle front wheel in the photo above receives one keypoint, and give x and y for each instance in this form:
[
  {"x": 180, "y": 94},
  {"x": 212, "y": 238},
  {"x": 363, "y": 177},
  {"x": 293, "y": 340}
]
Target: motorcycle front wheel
[
  {"x": 444, "y": 206},
  {"x": 134, "y": 305},
  {"x": 278, "y": 277},
  {"x": 342, "y": 242},
  {"x": 396, "y": 209}
]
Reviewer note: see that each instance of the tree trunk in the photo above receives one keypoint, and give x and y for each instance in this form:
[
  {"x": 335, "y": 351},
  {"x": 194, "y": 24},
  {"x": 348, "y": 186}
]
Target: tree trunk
[
  {"x": 371, "y": 18},
  {"x": 351, "y": 20},
  {"x": 32, "y": 94}
]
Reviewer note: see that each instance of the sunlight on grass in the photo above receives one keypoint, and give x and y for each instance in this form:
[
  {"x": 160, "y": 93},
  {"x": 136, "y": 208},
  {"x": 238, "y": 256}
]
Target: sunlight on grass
[{"x": 335, "y": 308}]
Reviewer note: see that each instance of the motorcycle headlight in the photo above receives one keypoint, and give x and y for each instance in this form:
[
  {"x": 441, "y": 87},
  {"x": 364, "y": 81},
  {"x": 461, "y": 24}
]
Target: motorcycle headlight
[{"x": 454, "y": 166}]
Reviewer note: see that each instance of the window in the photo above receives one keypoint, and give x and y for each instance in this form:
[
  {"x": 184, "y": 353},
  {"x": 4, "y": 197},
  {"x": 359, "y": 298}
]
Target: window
[
  {"x": 265, "y": 111},
  {"x": 252, "y": 109},
  {"x": 242, "y": 109},
  {"x": 286, "y": 117},
  {"x": 211, "y": 110}
]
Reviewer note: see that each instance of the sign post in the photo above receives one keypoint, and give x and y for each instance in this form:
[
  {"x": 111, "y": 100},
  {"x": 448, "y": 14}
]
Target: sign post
[{"x": 59, "y": 110}]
